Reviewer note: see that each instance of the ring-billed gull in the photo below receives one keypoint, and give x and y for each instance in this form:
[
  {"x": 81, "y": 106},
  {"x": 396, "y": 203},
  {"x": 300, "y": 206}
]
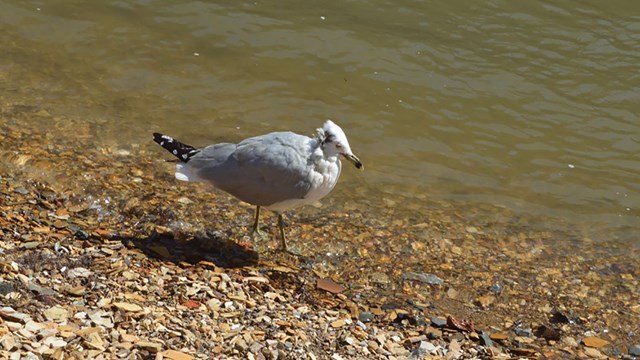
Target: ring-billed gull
[{"x": 278, "y": 171}]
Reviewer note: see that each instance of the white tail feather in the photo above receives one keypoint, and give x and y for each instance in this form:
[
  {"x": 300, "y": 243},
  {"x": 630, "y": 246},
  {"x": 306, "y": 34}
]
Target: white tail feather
[{"x": 183, "y": 174}]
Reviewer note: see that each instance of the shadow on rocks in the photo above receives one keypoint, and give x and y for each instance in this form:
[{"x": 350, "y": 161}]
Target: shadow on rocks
[{"x": 213, "y": 248}]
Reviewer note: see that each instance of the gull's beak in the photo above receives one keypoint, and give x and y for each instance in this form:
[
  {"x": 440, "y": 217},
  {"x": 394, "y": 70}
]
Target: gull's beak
[{"x": 354, "y": 159}]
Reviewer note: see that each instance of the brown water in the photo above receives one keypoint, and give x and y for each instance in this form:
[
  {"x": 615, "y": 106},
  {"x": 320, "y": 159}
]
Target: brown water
[{"x": 530, "y": 106}]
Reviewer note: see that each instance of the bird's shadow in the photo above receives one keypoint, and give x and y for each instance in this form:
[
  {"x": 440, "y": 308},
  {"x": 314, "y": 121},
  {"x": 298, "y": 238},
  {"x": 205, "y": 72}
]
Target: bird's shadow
[{"x": 212, "y": 248}]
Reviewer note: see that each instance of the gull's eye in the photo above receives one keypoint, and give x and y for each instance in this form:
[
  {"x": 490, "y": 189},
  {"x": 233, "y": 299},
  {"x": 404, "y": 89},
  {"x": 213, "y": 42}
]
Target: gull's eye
[{"x": 339, "y": 146}]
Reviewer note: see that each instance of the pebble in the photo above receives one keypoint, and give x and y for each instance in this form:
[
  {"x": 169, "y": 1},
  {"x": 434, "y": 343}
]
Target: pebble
[
  {"x": 21, "y": 190},
  {"x": 485, "y": 339},
  {"x": 6, "y": 287},
  {"x": 438, "y": 322},
  {"x": 496, "y": 288},
  {"x": 365, "y": 316},
  {"x": 148, "y": 345},
  {"x": 634, "y": 350},
  {"x": 423, "y": 277},
  {"x": 594, "y": 342},
  {"x": 594, "y": 353},
  {"x": 547, "y": 332},
  {"x": 56, "y": 313},
  {"x": 379, "y": 278},
  {"x": 523, "y": 331}
]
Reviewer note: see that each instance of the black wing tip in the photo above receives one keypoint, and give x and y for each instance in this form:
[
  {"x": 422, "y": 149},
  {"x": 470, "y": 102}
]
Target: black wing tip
[
  {"x": 157, "y": 137},
  {"x": 182, "y": 151}
]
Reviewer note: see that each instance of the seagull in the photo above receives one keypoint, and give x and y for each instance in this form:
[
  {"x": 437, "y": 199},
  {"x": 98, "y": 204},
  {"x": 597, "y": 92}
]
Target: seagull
[{"x": 278, "y": 171}]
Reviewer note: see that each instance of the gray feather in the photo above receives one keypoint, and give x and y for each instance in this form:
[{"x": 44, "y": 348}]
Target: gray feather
[{"x": 261, "y": 170}]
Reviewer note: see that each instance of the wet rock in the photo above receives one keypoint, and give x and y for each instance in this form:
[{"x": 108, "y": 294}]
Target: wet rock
[
  {"x": 460, "y": 324},
  {"x": 390, "y": 306},
  {"x": 496, "y": 288},
  {"x": 176, "y": 355},
  {"x": 593, "y": 353},
  {"x": 379, "y": 278},
  {"x": 485, "y": 301},
  {"x": 423, "y": 278},
  {"x": 365, "y": 316},
  {"x": 330, "y": 286},
  {"x": 559, "y": 318},
  {"x": 485, "y": 339},
  {"x": 6, "y": 287},
  {"x": 128, "y": 307},
  {"x": 57, "y": 314},
  {"x": 21, "y": 190},
  {"x": 570, "y": 341},
  {"x": 594, "y": 342},
  {"x": 438, "y": 322},
  {"x": 433, "y": 333},
  {"x": 499, "y": 336},
  {"x": 153, "y": 347},
  {"x": 520, "y": 331},
  {"x": 81, "y": 235},
  {"x": 547, "y": 332},
  {"x": 423, "y": 350}
]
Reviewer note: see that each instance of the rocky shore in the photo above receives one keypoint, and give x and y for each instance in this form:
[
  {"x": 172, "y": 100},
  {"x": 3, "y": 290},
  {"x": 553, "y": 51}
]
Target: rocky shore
[{"x": 105, "y": 256}]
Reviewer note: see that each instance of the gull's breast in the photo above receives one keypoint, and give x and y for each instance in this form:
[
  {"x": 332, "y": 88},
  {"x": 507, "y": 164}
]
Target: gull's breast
[{"x": 323, "y": 178}]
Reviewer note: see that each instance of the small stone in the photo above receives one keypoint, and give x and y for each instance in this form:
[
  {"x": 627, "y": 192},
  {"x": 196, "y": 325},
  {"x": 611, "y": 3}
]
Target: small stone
[
  {"x": 255, "y": 347},
  {"x": 594, "y": 342},
  {"x": 423, "y": 277},
  {"x": 379, "y": 278},
  {"x": 5, "y": 288},
  {"x": 499, "y": 336},
  {"x": 13, "y": 326},
  {"x": 592, "y": 352},
  {"x": 365, "y": 316},
  {"x": 81, "y": 235},
  {"x": 569, "y": 341},
  {"x": 454, "y": 349},
  {"x": 434, "y": 333},
  {"x": 547, "y": 333},
  {"x": 523, "y": 352},
  {"x": 127, "y": 306},
  {"x": 40, "y": 289},
  {"x": 471, "y": 229},
  {"x": 176, "y": 355},
  {"x": 79, "y": 272},
  {"x": 9, "y": 343},
  {"x": 485, "y": 300},
  {"x": 559, "y": 318},
  {"x": 496, "y": 288},
  {"x": 150, "y": 346},
  {"x": 338, "y": 323},
  {"x": 422, "y": 350},
  {"x": 523, "y": 331},
  {"x": 330, "y": 286},
  {"x": 56, "y": 314},
  {"x": 21, "y": 190},
  {"x": 634, "y": 350},
  {"x": 30, "y": 245},
  {"x": 54, "y": 342},
  {"x": 438, "y": 322}
]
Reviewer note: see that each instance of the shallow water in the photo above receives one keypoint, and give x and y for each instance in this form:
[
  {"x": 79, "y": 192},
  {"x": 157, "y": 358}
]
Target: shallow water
[{"x": 527, "y": 106}]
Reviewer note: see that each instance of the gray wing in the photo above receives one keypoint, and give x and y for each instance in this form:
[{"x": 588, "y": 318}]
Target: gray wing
[{"x": 262, "y": 170}]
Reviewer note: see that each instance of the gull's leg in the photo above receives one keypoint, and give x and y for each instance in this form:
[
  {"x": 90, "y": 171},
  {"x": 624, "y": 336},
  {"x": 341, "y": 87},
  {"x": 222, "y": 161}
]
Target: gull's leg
[
  {"x": 256, "y": 224},
  {"x": 281, "y": 226}
]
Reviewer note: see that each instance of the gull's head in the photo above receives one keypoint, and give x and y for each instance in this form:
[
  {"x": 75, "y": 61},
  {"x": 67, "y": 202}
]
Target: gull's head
[{"x": 334, "y": 143}]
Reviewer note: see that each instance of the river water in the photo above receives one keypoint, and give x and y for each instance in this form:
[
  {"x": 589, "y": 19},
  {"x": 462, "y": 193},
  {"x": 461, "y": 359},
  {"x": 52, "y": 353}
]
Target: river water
[{"x": 526, "y": 106}]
